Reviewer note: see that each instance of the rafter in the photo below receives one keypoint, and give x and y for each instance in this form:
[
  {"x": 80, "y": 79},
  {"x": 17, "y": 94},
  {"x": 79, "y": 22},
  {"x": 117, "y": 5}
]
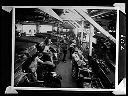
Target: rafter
[
  {"x": 88, "y": 18},
  {"x": 51, "y": 12}
]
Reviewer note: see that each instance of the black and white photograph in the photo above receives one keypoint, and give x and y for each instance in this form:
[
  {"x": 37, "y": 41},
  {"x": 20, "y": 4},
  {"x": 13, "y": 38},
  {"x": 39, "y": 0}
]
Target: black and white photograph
[{"x": 65, "y": 48}]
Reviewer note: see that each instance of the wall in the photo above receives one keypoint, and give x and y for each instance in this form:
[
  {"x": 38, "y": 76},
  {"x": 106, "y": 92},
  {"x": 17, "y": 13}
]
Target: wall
[
  {"x": 27, "y": 28},
  {"x": 45, "y": 28},
  {"x": 19, "y": 28}
]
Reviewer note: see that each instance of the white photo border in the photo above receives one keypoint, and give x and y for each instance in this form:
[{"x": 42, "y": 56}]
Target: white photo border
[{"x": 66, "y": 89}]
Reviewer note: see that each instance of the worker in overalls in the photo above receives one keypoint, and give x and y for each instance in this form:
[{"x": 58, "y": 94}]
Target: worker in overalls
[
  {"x": 72, "y": 48},
  {"x": 64, "y": 49},
  {"x": 33, "y": 66}
]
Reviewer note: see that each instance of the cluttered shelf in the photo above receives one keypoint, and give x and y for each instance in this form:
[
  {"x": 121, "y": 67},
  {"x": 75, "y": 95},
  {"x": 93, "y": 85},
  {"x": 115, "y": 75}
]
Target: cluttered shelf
[
  {"x": 22, "y": 60},
  {"x": 104, "y": 72},
  {"x": 83, "y": 72}
]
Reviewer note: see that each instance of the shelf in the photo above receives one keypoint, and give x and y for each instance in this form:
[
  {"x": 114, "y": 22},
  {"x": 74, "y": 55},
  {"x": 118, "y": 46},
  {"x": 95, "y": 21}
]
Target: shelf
[
  {"x": 105, "y": 74},
  {"x": 108, "y": 63},
  {"x": 111, "y": 63},
  {"x": 100, "y": 83},
  {"x": 17, "y": 65}
]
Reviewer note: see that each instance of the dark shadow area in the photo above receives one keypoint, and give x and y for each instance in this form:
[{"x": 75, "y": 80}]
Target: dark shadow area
[{"x": 6, "y": 48}]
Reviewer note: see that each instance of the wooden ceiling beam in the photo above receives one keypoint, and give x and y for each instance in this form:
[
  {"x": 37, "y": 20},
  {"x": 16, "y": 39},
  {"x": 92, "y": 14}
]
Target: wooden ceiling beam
[
  {"x": 73, "y": 21},
  {"x": 73, "y": 24},
  {"x": 88, "y": 18},
  {"x": 51, "y": 13},
  {"x": 101, "y": 13}
]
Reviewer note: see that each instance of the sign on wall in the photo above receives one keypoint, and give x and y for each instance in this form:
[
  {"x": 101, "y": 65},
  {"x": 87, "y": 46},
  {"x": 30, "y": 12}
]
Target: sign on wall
[
  {"x": 30, "y": 30},
  {"x": 45, "y": 28}
]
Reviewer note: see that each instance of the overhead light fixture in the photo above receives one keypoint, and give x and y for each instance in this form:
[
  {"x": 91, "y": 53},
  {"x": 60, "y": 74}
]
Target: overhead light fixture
[
  {"x": 110, "y": 30},
  {"x": 114, "y": 31},
  {"x": 64, "y": 12},
  {"x": 94, "y": 10},
  {"x": 98, "y": 32},
  {"x": 98, "y": 17}
]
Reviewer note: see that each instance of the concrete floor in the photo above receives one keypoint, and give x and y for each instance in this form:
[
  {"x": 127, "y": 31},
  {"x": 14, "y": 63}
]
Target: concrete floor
[{"x": 65, "y": 70}]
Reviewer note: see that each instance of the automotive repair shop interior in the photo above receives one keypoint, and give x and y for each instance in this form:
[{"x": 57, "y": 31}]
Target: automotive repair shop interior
[{"x": 61, "y": 47}]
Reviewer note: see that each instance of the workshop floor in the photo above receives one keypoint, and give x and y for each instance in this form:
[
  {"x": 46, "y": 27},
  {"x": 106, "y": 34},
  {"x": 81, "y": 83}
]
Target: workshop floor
[{"x": 65, "y": 70}]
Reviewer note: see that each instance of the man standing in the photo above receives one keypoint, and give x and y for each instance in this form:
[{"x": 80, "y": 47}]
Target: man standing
[
  {"x": 72, "y": 48},
  {"x": 64, "y": 48}
]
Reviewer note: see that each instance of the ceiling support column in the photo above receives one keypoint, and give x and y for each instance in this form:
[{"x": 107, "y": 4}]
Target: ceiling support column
[
  {"x": 90, "y": 39},
  {"x": 37, "y": 27},
  {"x": 82, "y": 31}
]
